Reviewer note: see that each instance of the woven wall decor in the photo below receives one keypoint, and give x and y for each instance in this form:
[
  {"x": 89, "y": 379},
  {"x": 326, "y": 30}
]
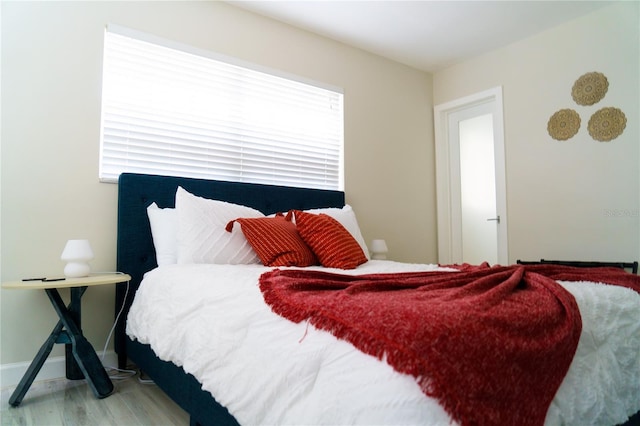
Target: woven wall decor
[
  {"x": 563, "y": 124},
  {"x": 607, "y": 124},
  {"x": 590, "y": 88}
]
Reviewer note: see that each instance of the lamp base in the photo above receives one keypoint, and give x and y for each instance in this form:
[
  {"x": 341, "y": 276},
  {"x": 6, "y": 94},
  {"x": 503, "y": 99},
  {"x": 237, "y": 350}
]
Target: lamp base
[{"x": 77, "y": 270}]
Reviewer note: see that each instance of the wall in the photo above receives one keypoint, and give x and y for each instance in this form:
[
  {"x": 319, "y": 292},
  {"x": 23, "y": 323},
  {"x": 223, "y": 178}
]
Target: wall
[
  {"x": 577, "y": 199},
  {"x": 51, "y": 82}
]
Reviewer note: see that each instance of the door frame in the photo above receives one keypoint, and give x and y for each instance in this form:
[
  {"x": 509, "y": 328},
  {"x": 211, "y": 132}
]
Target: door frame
[{"x": 449, "y": 216}]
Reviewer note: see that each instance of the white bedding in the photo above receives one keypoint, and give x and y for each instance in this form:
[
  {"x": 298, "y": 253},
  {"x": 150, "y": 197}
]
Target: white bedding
[{"x": 212, "y": 321}]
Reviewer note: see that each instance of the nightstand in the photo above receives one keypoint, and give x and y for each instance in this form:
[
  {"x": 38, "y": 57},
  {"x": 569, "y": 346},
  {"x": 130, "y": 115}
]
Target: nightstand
[{"x": 81, "y": 359}]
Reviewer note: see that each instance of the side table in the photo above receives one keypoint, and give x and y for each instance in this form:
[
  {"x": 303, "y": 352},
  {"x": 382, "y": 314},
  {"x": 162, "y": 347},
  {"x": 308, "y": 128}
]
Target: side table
[{"x": 81, "y": 359}]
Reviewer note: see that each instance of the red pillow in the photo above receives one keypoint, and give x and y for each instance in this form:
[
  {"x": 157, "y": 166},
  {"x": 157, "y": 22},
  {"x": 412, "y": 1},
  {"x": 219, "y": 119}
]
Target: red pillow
[
  {"x": 276, "y": 241},
  {"x": 332, "y": 244}
]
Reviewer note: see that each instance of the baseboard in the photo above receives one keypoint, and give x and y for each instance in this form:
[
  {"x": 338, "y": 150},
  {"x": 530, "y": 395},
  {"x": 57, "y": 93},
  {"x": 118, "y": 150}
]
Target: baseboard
[{"x": 53, "y": 368}]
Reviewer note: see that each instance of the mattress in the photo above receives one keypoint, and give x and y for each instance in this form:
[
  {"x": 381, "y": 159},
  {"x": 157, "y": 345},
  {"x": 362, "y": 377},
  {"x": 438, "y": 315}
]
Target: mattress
[{"x": 212, "y": 321}]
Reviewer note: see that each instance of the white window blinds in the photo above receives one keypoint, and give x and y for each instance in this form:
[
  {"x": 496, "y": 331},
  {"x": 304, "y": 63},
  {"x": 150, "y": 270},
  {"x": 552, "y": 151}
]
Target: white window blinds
[{"x": 175, "y": 112}]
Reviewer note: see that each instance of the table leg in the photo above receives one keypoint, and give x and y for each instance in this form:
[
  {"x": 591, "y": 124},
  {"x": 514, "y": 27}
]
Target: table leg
[
  {"x": 34, "y": 368},
  {"x": 72, "y": 369},
  {"x": 83, "y": 352}
]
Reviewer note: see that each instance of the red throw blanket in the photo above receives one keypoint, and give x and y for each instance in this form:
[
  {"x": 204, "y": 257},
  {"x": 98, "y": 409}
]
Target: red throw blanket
[{"x": 492, "y": 345}]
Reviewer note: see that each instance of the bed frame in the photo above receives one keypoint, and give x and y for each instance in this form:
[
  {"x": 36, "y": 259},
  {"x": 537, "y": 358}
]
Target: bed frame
[{"x": 136, "y": 256}]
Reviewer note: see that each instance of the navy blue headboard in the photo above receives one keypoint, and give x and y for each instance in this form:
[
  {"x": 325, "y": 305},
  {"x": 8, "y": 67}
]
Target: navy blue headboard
[{"x": 136, "y": 254}]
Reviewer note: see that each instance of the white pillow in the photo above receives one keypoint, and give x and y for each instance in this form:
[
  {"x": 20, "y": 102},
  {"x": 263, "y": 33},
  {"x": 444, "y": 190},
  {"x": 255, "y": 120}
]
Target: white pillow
[
  {"x": 202, "y": 237},
  {"x": 347, "y": 218},
  {"x": 164, "y": 229}
]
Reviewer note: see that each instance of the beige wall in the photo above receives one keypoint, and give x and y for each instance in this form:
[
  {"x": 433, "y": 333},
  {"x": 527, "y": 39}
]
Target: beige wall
[
  {"x": 577, "y": 199},
  {"x": 51, "y": 82}
]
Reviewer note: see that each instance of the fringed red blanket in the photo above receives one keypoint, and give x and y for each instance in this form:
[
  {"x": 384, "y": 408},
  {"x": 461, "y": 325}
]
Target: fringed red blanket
[{"x": 492, "y": 345}]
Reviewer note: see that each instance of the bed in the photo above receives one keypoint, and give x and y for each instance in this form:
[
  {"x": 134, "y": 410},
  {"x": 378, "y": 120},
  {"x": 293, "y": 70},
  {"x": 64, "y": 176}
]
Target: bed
[{"x": 351, "y": 387}]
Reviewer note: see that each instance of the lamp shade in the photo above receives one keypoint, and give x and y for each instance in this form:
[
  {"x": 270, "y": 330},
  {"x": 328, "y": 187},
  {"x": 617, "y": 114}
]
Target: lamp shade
[
  {"x": 379, "y": 249},
  {"x": 77, "y": 253}
]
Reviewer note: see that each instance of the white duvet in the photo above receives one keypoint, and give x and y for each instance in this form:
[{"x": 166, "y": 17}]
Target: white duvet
[{"x": 212, "y": 321}]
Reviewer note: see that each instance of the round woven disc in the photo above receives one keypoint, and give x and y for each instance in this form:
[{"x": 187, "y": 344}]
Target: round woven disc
[
  {"x": 607, "y": 124},
  {"x": 590, "y": 88},
  {"x": 563, "y": 124}
]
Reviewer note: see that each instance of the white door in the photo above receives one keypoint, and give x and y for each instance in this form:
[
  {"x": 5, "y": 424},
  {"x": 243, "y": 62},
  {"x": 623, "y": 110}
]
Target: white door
[
  {"x": 472, "y": 220},
  {"x": 471, "y": 138}
]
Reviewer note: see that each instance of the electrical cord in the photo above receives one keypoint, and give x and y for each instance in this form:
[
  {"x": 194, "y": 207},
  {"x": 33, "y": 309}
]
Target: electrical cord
[{"x": 127, "y": 373}]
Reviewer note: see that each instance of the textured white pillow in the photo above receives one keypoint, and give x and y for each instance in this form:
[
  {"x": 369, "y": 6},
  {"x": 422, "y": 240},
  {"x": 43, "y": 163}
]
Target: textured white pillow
[
  {"x": 347, "y": 218},
  {"x": 202, "y": 237},
  {"x": 164, "y": 229}
]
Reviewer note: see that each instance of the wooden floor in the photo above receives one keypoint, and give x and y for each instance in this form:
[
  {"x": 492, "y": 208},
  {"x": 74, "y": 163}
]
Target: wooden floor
[{"x": 67, "y": 402}]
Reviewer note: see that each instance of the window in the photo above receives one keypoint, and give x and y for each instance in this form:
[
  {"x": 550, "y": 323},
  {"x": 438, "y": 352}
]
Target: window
[{"x": 175, "y": 110}]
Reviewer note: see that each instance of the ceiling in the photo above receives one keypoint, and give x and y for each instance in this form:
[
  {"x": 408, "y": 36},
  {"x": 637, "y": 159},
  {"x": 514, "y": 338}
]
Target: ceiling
[{"x": 428, "y": 35}]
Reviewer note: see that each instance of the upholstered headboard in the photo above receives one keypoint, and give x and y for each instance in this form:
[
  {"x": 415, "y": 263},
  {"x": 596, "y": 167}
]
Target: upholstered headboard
[{"x": 135, "y": 251}]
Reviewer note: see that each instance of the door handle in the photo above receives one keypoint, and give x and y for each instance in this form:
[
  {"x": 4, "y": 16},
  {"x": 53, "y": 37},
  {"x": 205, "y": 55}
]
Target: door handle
[{"x": 497, "y": 219}]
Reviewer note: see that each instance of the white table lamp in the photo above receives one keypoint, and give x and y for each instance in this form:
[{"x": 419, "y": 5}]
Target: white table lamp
[
  {"x": 379, "y": 249},
  {"x": 77, "y": 253}
]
